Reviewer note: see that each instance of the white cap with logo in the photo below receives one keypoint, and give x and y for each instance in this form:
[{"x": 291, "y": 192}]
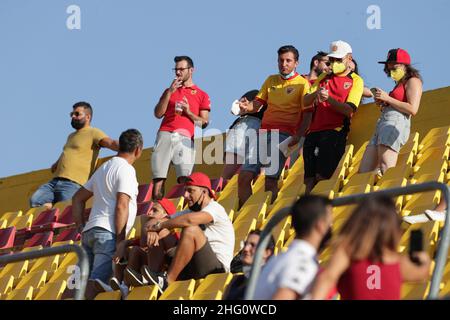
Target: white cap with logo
[{"x": 339, "y": 49}]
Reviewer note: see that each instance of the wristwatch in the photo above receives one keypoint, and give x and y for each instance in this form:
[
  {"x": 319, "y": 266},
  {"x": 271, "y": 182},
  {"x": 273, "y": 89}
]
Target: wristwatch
[{"x": 157, "y": 225}]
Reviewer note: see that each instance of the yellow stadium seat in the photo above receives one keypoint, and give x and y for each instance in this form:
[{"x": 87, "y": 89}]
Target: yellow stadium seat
[
  {"x": 429, "y": 167},
  {"x": 325, "y": 187},
  {"x": 293, "y": 186},
  {"x": 16, "y": 269},
  {"x": 35, "y": 211},
  {"x": 439, "y": 153},
  {"x": 364, "y": 188},
  {"x": 420, "y": 202},
  {"x": 343, "y": 211},
  {"x": 21, "y": 222},
  {"x": 359, "y": 179},
  {"x": 62, "y": 243},
  {"x": 346, "y": 158},
  {"x": 6, "y": 285},
  {"x": 50, "y": 264},
  {"x": 255, "y": 207},
  {"x": 445, "y": 291},
  {"x": 430, "y": 232},
  {"x": 61, "y": 273},
  {"x": 62, "y": 205},
  {"x": 143, "y": 293},
  {"x": 213, "y": 283},
  {"x": 218, "y": 295},
  {"x": 230, "y": 205},
  {"x": 230, "y": 188},
  {"x": 10, "y": 216},
  {"x": 241, "y": 230},
  {"x": 110, "y": 295},
  {"x": 258, "y": 185},
  {"x": 179, "y": 290},
  {"x": 395, "y": 173},
  {"x": 52, "y": 291},
  {"x": 358, "y": 155},
  {"x": 178, "y": 202},
  {"x": 21, "y": 294},
  {"x": 136, "y": 230},
  {"x": 436, "y": 141},
  {"x": 34, "y": 279},
  {"x": 406, "y": 159},
  {"x": 414, "y": 290},
  {"x": 3, "y": 224}
]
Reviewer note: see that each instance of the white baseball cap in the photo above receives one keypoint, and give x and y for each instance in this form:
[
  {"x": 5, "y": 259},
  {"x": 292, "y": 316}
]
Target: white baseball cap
[{"x": 339, "y": 49}]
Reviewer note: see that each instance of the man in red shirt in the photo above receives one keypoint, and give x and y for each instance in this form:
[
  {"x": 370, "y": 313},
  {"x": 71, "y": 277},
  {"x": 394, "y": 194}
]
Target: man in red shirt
[
  {"x": 182, "y": 106},
  {"x": 337, "y": 96}
]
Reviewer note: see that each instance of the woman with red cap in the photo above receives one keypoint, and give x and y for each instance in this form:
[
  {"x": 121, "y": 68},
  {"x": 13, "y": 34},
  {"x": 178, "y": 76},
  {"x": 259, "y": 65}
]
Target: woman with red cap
[{"x": 397, "y": 107}]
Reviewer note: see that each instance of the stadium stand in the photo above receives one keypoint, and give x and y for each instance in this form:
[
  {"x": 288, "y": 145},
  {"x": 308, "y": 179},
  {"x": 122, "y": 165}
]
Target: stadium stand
[{"x": 425, "y": 157}]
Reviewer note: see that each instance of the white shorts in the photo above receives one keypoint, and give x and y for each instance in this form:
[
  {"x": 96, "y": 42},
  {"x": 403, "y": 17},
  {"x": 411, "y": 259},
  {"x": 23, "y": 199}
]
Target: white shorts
[
  {"x": 236, "y": 136},
  {"x": 172, "y": 147}
]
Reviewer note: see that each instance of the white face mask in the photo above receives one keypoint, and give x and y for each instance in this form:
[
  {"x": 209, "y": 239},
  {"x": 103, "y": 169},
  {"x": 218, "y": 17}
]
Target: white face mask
[{"x": 287, "y": 76}]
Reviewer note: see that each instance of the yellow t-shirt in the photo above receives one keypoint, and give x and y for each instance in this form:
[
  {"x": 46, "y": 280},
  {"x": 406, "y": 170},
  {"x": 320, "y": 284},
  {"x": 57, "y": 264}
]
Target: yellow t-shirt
[
  {"x": 79, "y": 156},
  {"x": 284, "y": 99}
]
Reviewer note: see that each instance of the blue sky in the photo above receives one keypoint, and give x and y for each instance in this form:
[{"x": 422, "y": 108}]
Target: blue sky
[{"x": 121, "y": 58}]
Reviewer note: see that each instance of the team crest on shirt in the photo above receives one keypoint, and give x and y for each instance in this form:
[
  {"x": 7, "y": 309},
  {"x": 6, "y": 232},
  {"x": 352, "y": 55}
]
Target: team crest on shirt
[
  {"x": 193, "y": 91},
  {"x": 347, "y": 85},
  {"x": 289, "y": 90}
]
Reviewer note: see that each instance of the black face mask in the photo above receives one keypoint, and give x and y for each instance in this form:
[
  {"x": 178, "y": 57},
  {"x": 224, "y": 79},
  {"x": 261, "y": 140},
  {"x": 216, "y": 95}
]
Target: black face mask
[
  {"x": 198, "y": 205},
  {"x": 77, "y": 124},
  {"x": 326, "y": 238}
]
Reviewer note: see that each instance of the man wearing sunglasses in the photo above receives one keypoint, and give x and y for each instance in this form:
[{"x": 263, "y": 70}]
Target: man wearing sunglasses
[
  {"x": 182, "y": 106},
  {"x": 319, "y": 64},
  {"x": 337, "y": 96},
  {"x": 77, "y": 161}
]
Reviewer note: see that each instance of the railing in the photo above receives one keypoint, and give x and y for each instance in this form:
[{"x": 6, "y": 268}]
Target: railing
[
  {"x": 83, "y": 262},
  {"x": 443, "y": 244}
]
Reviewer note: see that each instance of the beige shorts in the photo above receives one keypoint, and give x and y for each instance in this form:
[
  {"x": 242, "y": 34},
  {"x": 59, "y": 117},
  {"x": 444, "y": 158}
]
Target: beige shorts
[{"x": 172, "y": 147}]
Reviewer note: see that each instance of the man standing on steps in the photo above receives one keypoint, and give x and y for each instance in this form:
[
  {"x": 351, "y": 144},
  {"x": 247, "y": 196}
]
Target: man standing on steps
[{"x": 182, "y": 106}]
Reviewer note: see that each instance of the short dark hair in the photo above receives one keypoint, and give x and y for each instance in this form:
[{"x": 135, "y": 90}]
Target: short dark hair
[
  {"x": 318, "y": 56},
  {"x": 87, "y": 107},
  {"x": 289, "y": 48},
  {"x": 130, "y": 140},
  {"x": 270, "y": 245},
  {"x": 307, "y": 211},
  {"x": 189, "y": 61},
  {"x": 250, "y": 95}
]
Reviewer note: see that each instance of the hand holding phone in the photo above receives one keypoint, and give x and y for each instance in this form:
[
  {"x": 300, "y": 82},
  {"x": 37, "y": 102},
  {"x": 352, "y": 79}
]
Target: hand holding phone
[{"x": 415, "y": 245}]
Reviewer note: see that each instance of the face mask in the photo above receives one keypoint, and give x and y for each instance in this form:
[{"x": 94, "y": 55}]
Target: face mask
[
  {"x": 77, "y": 124},
  {"x": 197, "y": 206},
  {"x": 338, "y": 67},
  {"x": 287, "y": 76},
  {"x": 246, "y": 270},
  {"x": 397, "y": 74},
  {"x": 326, "y": 238}
]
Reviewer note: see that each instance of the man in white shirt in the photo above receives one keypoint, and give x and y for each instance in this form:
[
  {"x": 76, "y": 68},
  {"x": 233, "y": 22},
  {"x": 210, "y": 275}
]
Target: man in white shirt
[
  {"x": 115, "y": 188},
  {"x": 207, "y": 238},
  {"x": 290, "y": 275}
]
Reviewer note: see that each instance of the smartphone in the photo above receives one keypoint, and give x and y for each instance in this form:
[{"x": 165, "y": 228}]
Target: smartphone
[
  {"x": 373, "y": 90},
  {"x": 415, "y": 244}
]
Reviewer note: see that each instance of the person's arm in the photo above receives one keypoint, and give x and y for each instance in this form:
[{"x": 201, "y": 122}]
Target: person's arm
[
  {"x": 285, "y": 294},
  {"x": 161, "y": 106},
  {"x": 201, "y": 120},
  {"x": 250, "y": 106},
  {"x": 109, "y": 144},
  {"x": 78, "y": 204},
  {"x": 413, "y": 272},
  {"x": 367, "y": 93},
  {"x": 121, "y": 215},
  {"x": 182, "y": 221},
  {"x": 328, "y": 278},
  {"x": 413, "y": 96},
  {"x": 309, "y": 98}
]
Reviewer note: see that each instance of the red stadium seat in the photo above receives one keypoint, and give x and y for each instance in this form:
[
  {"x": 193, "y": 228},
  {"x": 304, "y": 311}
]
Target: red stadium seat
[
  {"x": 44, "y": 239},
  {"x": 176, "y": 191},
  {"x": 145, "y": 193},
  {"x": 144, "y": 208},
  {"x": 7, "y": 237},
  {"x": 45, "y": 221},
  {"x": 217, "y": 184},
  {"x": 68, "y": 234}
]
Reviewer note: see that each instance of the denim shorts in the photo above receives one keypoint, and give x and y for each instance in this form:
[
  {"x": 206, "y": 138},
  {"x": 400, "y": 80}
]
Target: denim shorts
[
  {"x": 238, "y": 136},
  {"x": 393, "y": 128},
  {"x": 268, "y": 154},
  {"x": 100, "y": 246},
  {"x": 56, "y": 190}
]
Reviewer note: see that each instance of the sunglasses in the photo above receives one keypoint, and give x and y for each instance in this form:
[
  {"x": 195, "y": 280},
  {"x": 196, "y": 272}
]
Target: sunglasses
[
  {"x": 335, "y": 60},
  {"x": 76, "y": 114},
  {"x": 180, "y": 69}
]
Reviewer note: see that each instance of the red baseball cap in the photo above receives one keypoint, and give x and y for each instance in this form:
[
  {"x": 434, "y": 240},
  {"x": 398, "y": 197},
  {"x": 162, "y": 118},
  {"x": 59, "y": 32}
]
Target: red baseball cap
[
  {"x": 167, "y": 205},
  {"x": 397, "y": 56},
  {"x": 200, "y": 179}
]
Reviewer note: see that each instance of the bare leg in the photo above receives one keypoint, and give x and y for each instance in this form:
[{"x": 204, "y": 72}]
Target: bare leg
[
  {"x": 192, "y": 240},
  {"x": 158, "y": 189},
  {"x": 48, "y": 206},
  {"x": 388, "y": 158},
  {"x": 441, "y": 205},
  {"x": 120, "y": 268},
  {"x": 271, "y": 184},
  {"x": 369, "y": 161},
  {"x": 244, "y": 186},
  {"x": 156, "y": 255}
]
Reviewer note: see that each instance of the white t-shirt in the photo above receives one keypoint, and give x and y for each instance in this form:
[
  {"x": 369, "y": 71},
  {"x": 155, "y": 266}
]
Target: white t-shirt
[
  {"x": 115, "y": 175},
  {"x": 295, "y": 269},
  {"x": 219, "y": 232}
]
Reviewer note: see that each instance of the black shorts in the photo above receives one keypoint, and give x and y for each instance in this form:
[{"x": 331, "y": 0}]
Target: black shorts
[
  {"x": 202, "y": 263},
  {"x": 322, "y": 152}
]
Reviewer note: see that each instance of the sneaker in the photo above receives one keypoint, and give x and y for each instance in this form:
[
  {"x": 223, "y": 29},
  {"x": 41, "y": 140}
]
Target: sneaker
[
  {"x": 134, "y": 278},
  {"x": 419, "y": 218},
  {"x": 116, "y": 285},
  {"x": 158, "y": 278},
  {"x": 435, "y": 215},
  {"x": 100, "y": 286}
]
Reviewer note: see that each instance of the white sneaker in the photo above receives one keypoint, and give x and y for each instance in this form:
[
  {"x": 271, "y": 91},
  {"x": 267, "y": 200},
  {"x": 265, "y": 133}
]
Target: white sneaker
[
  {"x": 435, "y": 215},
  {"x": 101, "y": 286},
  {"x": 419, "y": 218},
  {"x": 115, "y": 285}
]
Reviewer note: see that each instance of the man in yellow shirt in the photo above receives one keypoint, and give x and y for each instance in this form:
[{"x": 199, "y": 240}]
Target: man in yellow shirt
[
  {"x": 283, "y": 94},
  {"x": 77, "y": 161}
]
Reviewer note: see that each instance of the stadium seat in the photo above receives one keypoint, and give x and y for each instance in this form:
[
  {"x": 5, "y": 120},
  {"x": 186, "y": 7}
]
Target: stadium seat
[
  {"x": 44, "y": 239},
  {"x": 52, "y": 291},
  {"x": 359, "y": 179},
  {"x": 214, "y": 284},
  {"x": 430, "y": 232},
  {"x": 179, "y": 290},
  {"x": 68, "y": 234},
  {"x": 178, "y": 203},
  {"x": 7, "y": 237},
  {"x": 49, "y": 264},
  {"x": 420, "y": 202},
  {"x": 414, "y": 290},
  {"x": 22, "y": 222},
  {"x": 64, "y": 219},
  {"x": 110, "y": 295},
  {"x": 230, "y": 205},
  {"x": 15, "y": 269},
  {"x": 216, "y": 184},
  {"x": 21, "y": 294},
  {"x": 176, "y": 191},
  {"x": 34, "y": 279},
  {"x": 144, "y": 193},
  {"x": 293, "y": 186},
  {"x": 45, "y": 221},
  {"x": 395, "y": 173},
  {"x": 11, "y": 215},
  {"x": 6, "y": 285},
  {"x": 143, "y": 293},
  {"x": 144, "y": 208}
]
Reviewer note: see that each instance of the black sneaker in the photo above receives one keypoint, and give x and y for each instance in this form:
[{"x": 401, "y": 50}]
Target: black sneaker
[
  {"x": 158, "y": 278},
  {"x": 134, "y": 278},
  {"x": 116, "y": 285}
]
